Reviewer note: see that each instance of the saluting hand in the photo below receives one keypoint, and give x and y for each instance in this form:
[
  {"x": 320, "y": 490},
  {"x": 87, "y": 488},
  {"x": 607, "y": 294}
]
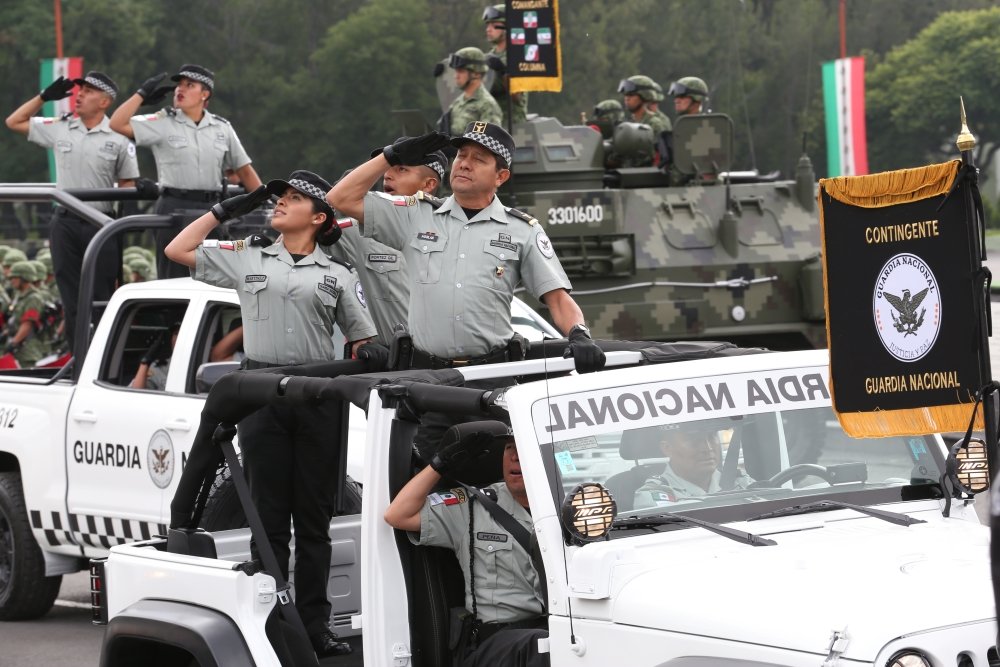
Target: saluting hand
[
  {"x": 59, "y": 89},
  {"x": 151, "y": 91},
  {"x": 587, "y": 356},
  {"x": 412, "y": 150},
  {"x": 239, "y": 205},
  {"x": 462, "y": 452}
]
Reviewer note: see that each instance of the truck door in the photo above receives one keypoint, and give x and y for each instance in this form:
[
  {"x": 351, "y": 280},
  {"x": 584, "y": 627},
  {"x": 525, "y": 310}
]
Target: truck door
[{"x": 123, "y": 439}]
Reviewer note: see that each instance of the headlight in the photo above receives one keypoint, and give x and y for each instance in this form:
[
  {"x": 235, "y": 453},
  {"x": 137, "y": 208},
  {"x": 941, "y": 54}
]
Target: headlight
[{"x": 908, "y": 658}]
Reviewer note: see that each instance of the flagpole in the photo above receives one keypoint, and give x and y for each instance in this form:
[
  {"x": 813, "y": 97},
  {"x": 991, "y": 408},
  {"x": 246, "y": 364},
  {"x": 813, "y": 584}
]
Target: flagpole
[
  {"x": 843, "y": 28},
  {"x": 966, "y": 142},
  {"x": 59, "y": 39}
]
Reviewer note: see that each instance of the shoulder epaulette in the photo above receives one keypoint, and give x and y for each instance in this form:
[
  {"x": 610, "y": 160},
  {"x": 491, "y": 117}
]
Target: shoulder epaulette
[
  {"x": 66, "y": 116},
  {"x": 342, "y": 262},
  {"x": 521, "y": 215},
  {"x": 435, "y": 202},
  {"x": 490, "y": 493},
  {"x": 171, "y": 111},
  {"x": 220, "y": 118}
]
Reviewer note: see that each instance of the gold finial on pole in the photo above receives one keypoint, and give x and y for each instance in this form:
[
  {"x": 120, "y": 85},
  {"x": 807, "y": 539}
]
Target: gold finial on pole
[{"x": 965, "y": 140}]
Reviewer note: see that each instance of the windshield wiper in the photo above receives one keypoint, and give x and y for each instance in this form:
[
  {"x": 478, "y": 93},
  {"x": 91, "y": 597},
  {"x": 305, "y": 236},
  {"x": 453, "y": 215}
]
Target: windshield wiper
[
  {"x": 827, "y": 505},
  {"x": 633, "y": 522}
]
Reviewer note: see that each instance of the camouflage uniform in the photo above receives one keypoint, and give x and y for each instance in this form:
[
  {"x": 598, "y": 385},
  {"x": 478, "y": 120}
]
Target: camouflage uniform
[
  {"x": 499, "y": 92},
  {"x": 27, "y": 307},
  {"x": 481, "y": 106},
  {"x": 656, "y": 120}
]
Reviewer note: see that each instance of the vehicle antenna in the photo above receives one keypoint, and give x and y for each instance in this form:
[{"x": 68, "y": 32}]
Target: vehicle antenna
[{"x": 735, "y": 41}]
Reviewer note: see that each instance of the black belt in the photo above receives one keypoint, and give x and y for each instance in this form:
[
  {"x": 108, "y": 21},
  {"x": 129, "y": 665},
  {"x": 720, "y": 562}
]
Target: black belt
[
  {"x": 192, "y": 195},
  {"x": 487, "y": 630},
  {"x": 429, "y": 361}
]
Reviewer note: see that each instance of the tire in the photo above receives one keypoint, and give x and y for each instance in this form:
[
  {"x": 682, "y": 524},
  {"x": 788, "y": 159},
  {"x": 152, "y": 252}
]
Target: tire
[
  {"x": 224, "y": 512},
  {"x": 25, "y": 591}
]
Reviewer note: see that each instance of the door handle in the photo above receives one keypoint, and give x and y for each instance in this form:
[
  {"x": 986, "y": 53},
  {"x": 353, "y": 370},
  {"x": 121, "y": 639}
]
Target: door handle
[
  {"x": 85, "y": 416},
  {"x": 178, "y": 425}
]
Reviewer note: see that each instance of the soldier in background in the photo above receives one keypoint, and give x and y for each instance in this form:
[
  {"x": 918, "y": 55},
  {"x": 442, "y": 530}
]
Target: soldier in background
[
  {"x": 690, "y": 95},
  {"x": 495, "y": 21},
  {"x": 475, "y": 103},
  {"x": 193, "y": 148},
  {"x": 653, "y": 107},
  {"x": 638, "y": 92},
  {"x": 607, "y": 114},
  {"x": 25, "y": 320},
  {"x": 89, "y": 154}
]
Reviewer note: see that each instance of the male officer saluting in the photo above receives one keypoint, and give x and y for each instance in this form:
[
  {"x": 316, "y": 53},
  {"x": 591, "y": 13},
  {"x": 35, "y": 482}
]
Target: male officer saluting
[
  {"x": 88, "y": 155},
  {"x": 382, "y": 269},
  {"x": 466, "y": 254},
  {"x": 193, "y": 148}
]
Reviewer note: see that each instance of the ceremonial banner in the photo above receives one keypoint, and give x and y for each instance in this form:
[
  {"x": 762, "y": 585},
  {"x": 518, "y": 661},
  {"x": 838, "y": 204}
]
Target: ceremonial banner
[
  {"x": 52, "y": 69},
  {"x": 844, "y": 101},
  {"x": 901, "y": 316},
  {"x": 534, "y": 59}
]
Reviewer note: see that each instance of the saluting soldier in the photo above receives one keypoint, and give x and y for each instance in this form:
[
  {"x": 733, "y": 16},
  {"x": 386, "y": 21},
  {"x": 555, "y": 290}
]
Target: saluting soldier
[
  {"x": 475, "y": 103},
  {"x": 466, "y": 254},
  {"x": 381, "y": 268},
  {"x": 291, "y": 294},
  {"x": 89, "y": 154},
  {"x": 193, "y": 147},
  {"x": 26, "y": 317}
]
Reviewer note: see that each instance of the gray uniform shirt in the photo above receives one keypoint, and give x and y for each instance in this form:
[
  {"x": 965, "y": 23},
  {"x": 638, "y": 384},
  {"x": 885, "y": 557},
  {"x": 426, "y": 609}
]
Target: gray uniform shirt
[
  {"x": 463, "y": 272},
  {"x": 94, "y": 158},
  {"x": 668, "y": 487},
  {"x": 382, "y": 271},
  {"x": 190, "y": 156},
  {"x": 507, "y": 586},
  {"x": 288, "y": 309}
]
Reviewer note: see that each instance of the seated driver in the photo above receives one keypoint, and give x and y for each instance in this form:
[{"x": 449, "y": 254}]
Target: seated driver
[
  {"x": 155, "y": 364},
  {"x": 692, "y": 469}
]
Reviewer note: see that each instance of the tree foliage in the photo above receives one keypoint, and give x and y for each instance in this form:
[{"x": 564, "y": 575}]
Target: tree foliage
[{"x": 312, "y": 83}]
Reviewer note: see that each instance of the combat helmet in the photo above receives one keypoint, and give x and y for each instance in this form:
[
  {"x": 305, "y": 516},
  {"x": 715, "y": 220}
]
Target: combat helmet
[
  {"x": 607, "y": 114},
  {"x": 14, "y": 255},
  {"x": 41, "y": 271},
  {"x": 141, "y": 267},
  {"x": 495, "y": 14},
  {"x": 689, "y": 86},
  {"x": 642, "y": 86},
  {"x": 469, "y": 58},
  {"x": 24, "y": 270}
]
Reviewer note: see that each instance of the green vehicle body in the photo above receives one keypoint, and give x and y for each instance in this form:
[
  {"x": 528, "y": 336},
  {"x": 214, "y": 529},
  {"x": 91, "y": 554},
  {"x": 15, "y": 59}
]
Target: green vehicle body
[{"x": 733, "y": 258}]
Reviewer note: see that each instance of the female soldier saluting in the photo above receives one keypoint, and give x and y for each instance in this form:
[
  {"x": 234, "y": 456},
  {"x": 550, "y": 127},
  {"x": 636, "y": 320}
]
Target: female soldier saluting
[{"x": 290, "y": 296}]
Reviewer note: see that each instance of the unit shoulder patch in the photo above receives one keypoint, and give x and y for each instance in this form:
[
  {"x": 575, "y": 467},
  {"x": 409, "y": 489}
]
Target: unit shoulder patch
[{"x": 449, "y": 497}]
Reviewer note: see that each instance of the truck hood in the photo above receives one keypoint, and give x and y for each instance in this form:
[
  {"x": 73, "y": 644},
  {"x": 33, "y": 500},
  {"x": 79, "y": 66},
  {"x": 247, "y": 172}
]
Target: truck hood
[{"x": 821, "y": 576}]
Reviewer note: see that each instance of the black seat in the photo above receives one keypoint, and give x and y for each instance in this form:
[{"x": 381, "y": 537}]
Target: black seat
[{"x": 634, "y": 446}]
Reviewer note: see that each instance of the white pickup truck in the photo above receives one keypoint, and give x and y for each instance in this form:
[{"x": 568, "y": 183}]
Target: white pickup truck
[
  {"x": 805, "y": 547},
  {"x": 87, "y": 463}
]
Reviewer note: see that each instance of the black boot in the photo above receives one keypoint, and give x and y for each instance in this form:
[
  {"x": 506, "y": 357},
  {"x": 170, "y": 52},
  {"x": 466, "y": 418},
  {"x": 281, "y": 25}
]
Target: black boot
[{"x": 325, "y": 644}]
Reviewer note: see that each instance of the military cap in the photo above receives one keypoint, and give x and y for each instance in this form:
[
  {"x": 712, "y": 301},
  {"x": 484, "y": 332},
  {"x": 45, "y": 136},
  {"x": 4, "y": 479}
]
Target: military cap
[
  {"x": 24, "y": 270},
  {"x": 495, "y": 14},
  {"x": 14, "y": 255},
  {"x": 689, "y": 86},
  {"x": 197, "y": 73},
  {"x": 492, "y": 137},
  {"x": 437, "y": 160},
  {"x": 100, "y": 81},
  {"x": 640, "y": 85},
  {"x": 470, "y": 58},
  {"x": 311, "y": 185}
]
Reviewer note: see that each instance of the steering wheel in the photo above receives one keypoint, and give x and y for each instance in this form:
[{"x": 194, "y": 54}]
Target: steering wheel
[{"x": 795, "y": 472}]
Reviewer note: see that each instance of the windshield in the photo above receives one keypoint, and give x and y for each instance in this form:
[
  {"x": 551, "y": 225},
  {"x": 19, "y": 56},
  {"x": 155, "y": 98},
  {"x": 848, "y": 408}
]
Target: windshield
[{"x": 736, "y": 455}]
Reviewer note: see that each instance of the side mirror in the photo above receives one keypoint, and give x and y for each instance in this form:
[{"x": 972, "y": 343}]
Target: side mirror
[
  {"x": 208, "y": 374},
  {"x": 967, "y": 466}
]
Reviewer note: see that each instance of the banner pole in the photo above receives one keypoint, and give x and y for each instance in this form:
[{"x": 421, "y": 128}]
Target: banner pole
[{"x": 966, "y": 142}]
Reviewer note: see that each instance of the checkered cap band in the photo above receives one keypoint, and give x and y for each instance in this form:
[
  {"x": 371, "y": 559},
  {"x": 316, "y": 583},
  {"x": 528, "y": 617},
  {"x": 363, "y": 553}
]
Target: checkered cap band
[
  {"x": 490, "y": 144},
  {"x": 436, "y": 166},
  {"x": 308, "y": 188},
  {"x": 101, "y": 86},
  {"x": 195, "y": 76}
]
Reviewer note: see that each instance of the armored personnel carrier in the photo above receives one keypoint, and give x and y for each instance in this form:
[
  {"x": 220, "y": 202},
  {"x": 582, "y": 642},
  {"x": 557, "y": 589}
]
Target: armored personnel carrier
[{"x": 726, "y": 256}]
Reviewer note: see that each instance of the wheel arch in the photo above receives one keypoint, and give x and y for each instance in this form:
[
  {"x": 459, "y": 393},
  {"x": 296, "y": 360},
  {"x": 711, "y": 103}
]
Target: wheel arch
[{"x": 9, "y": 462}]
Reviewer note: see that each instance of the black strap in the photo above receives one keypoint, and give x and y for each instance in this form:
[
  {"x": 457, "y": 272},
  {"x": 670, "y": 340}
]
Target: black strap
[
  {"x": 521, "y": 534},
  {"x": 224, "y": 439}
]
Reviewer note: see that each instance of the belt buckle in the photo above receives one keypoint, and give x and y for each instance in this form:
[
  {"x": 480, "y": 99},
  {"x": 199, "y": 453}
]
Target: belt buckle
[{"x": 459, "y": 362}]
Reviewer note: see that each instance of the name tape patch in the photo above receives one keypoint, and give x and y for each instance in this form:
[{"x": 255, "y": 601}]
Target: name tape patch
[{"x": 255, "y": 278}]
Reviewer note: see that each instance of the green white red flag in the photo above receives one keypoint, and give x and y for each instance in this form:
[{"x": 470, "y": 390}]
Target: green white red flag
[
  {"x": 844, "y": 101},
  {"x": 52, "y": 69}
]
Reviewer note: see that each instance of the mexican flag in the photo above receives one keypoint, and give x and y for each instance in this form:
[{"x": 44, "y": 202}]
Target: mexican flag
[
  {"x": 52, "y": 69},
  {"x": 844, "y": 101}
]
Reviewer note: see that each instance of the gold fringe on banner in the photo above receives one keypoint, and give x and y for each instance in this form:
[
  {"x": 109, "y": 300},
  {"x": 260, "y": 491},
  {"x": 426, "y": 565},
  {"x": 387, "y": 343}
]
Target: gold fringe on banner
[
  {"x": 891, "y": 187},
  {"x": 916, "y": 421}
]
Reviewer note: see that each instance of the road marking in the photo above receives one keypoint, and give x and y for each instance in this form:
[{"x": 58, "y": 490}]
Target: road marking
[{"x": 74, "y": 605}]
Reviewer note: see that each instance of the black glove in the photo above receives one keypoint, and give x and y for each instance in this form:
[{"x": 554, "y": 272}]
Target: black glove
[
  {"x": 376, "y": 356},
  {"x": 585, "y": 352},
  {"x": 156, "y": 350},
  {"x": 438, "y": 70},
  {"x": 412, "y": 150},
  {"x": 147, "y": 188},
  {"x": 151, "y": 91},
  {"x": 59, "y": 89},
  {"x": 462, "y": 452},
  {"x": 234, "y": 207},
  {"x": 496, "y": 64}
]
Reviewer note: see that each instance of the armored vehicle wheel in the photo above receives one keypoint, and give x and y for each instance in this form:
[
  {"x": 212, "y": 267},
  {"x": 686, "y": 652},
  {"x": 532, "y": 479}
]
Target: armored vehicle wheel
[
  {"x": 25, "y": 591},
  {"x": 224, "y": 512}
]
